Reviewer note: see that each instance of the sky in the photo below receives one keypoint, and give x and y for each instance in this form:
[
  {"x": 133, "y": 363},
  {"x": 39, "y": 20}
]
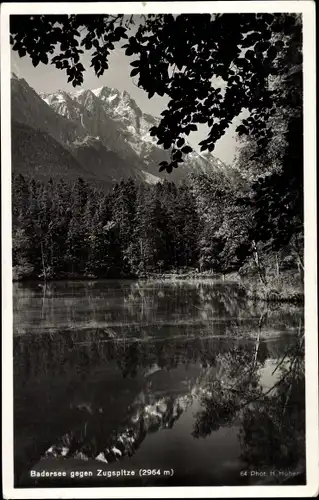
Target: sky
[{"x": 46, "y": 78}]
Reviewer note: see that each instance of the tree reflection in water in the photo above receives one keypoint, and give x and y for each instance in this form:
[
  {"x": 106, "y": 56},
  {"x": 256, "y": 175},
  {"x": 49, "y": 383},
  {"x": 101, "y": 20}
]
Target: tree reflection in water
[
  {"x": 273, "y": 427},
  {"x": 97, "y": 393},
  {"x": 271, "y": 423}
]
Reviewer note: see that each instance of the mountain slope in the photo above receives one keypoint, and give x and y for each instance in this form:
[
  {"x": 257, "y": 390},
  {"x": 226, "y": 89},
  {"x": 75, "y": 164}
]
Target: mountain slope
[
  {"x": 37, "y": 153},
  {"x": 28, "y": 108},
  {"x": 103, "y": 163},
  {"x": 103, "y": 134},
  {"x": 84, "y": 109},
  {"x": 47, "y": 144}
]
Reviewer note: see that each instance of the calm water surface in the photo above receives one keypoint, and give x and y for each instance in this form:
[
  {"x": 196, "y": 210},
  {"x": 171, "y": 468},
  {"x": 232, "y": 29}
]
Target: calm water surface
[{"x": 163, "y": 376}]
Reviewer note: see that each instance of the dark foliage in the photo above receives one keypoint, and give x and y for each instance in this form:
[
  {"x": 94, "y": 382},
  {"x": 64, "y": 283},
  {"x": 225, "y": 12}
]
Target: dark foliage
[
  {"x": 189, "y": 58},
  {"x": 61, "y": 230}
]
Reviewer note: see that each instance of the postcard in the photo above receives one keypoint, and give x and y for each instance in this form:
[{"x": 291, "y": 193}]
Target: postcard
[{"x": 159, "y": 250}]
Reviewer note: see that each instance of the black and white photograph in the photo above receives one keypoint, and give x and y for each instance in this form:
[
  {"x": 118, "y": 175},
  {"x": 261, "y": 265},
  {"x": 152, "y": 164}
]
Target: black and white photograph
[{"x": 159, "y": 249}]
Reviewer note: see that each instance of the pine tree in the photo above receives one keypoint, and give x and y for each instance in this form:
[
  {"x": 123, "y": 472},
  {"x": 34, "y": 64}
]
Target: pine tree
[{"x": 123, "y": 216}]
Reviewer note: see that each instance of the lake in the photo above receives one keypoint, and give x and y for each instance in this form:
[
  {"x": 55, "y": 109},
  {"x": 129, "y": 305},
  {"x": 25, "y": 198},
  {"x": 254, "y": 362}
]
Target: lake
[{"x": 156, "y": 383}]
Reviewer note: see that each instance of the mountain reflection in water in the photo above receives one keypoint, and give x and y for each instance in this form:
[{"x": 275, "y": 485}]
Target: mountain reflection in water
[{"x": 185, "y": 376}]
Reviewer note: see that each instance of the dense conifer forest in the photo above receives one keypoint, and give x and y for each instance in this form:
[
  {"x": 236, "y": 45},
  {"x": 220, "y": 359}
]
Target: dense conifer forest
[{"x": 65, "y": 230}]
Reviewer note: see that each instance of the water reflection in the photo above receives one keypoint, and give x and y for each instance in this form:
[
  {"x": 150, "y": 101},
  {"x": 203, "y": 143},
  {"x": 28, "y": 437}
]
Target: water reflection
[
  {"x": 163, "y": 364},
  {"x": 144, "y": 308}
]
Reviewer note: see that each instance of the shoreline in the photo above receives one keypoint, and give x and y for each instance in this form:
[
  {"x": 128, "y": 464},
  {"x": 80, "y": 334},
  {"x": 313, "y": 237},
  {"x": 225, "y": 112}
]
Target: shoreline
[{"x": 275, "y": 291}]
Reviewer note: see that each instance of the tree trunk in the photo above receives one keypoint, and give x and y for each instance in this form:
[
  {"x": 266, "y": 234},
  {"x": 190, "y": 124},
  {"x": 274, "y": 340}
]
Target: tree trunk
[
  {"x": 300, "y": 269},
  {"x": 260, "y": 270},
  {"x": 257, "y": 344},
  {"x": 300, "y": 265},
  {"x": 43, "y": 265},
  {"x": 277, "y": 266},
  {"x": 44, "y": 289},
  {"x": 141, "y": 250},
  {"x": 299, "y": 259}
]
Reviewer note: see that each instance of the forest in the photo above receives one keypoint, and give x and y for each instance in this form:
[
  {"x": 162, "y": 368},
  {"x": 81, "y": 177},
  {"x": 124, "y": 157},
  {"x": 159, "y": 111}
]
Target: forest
[{"x": 208, "y": 226}]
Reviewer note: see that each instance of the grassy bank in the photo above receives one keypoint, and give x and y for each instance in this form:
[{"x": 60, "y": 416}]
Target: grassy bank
[
  {"x": 274, "y": 291},
  {"x": 286, "y": 287}
]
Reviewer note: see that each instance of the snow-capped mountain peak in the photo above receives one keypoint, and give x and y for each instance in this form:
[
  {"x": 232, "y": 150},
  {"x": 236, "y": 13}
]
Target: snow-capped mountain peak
[
  {"x": 59, "y": 96},
  {"x": 120, "y": 124},
  {"x": 106, "y": 93}
]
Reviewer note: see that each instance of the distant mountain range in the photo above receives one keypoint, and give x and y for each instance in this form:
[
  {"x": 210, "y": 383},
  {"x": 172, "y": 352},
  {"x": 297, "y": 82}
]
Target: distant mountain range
[{"x": 100, "y": 135}]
